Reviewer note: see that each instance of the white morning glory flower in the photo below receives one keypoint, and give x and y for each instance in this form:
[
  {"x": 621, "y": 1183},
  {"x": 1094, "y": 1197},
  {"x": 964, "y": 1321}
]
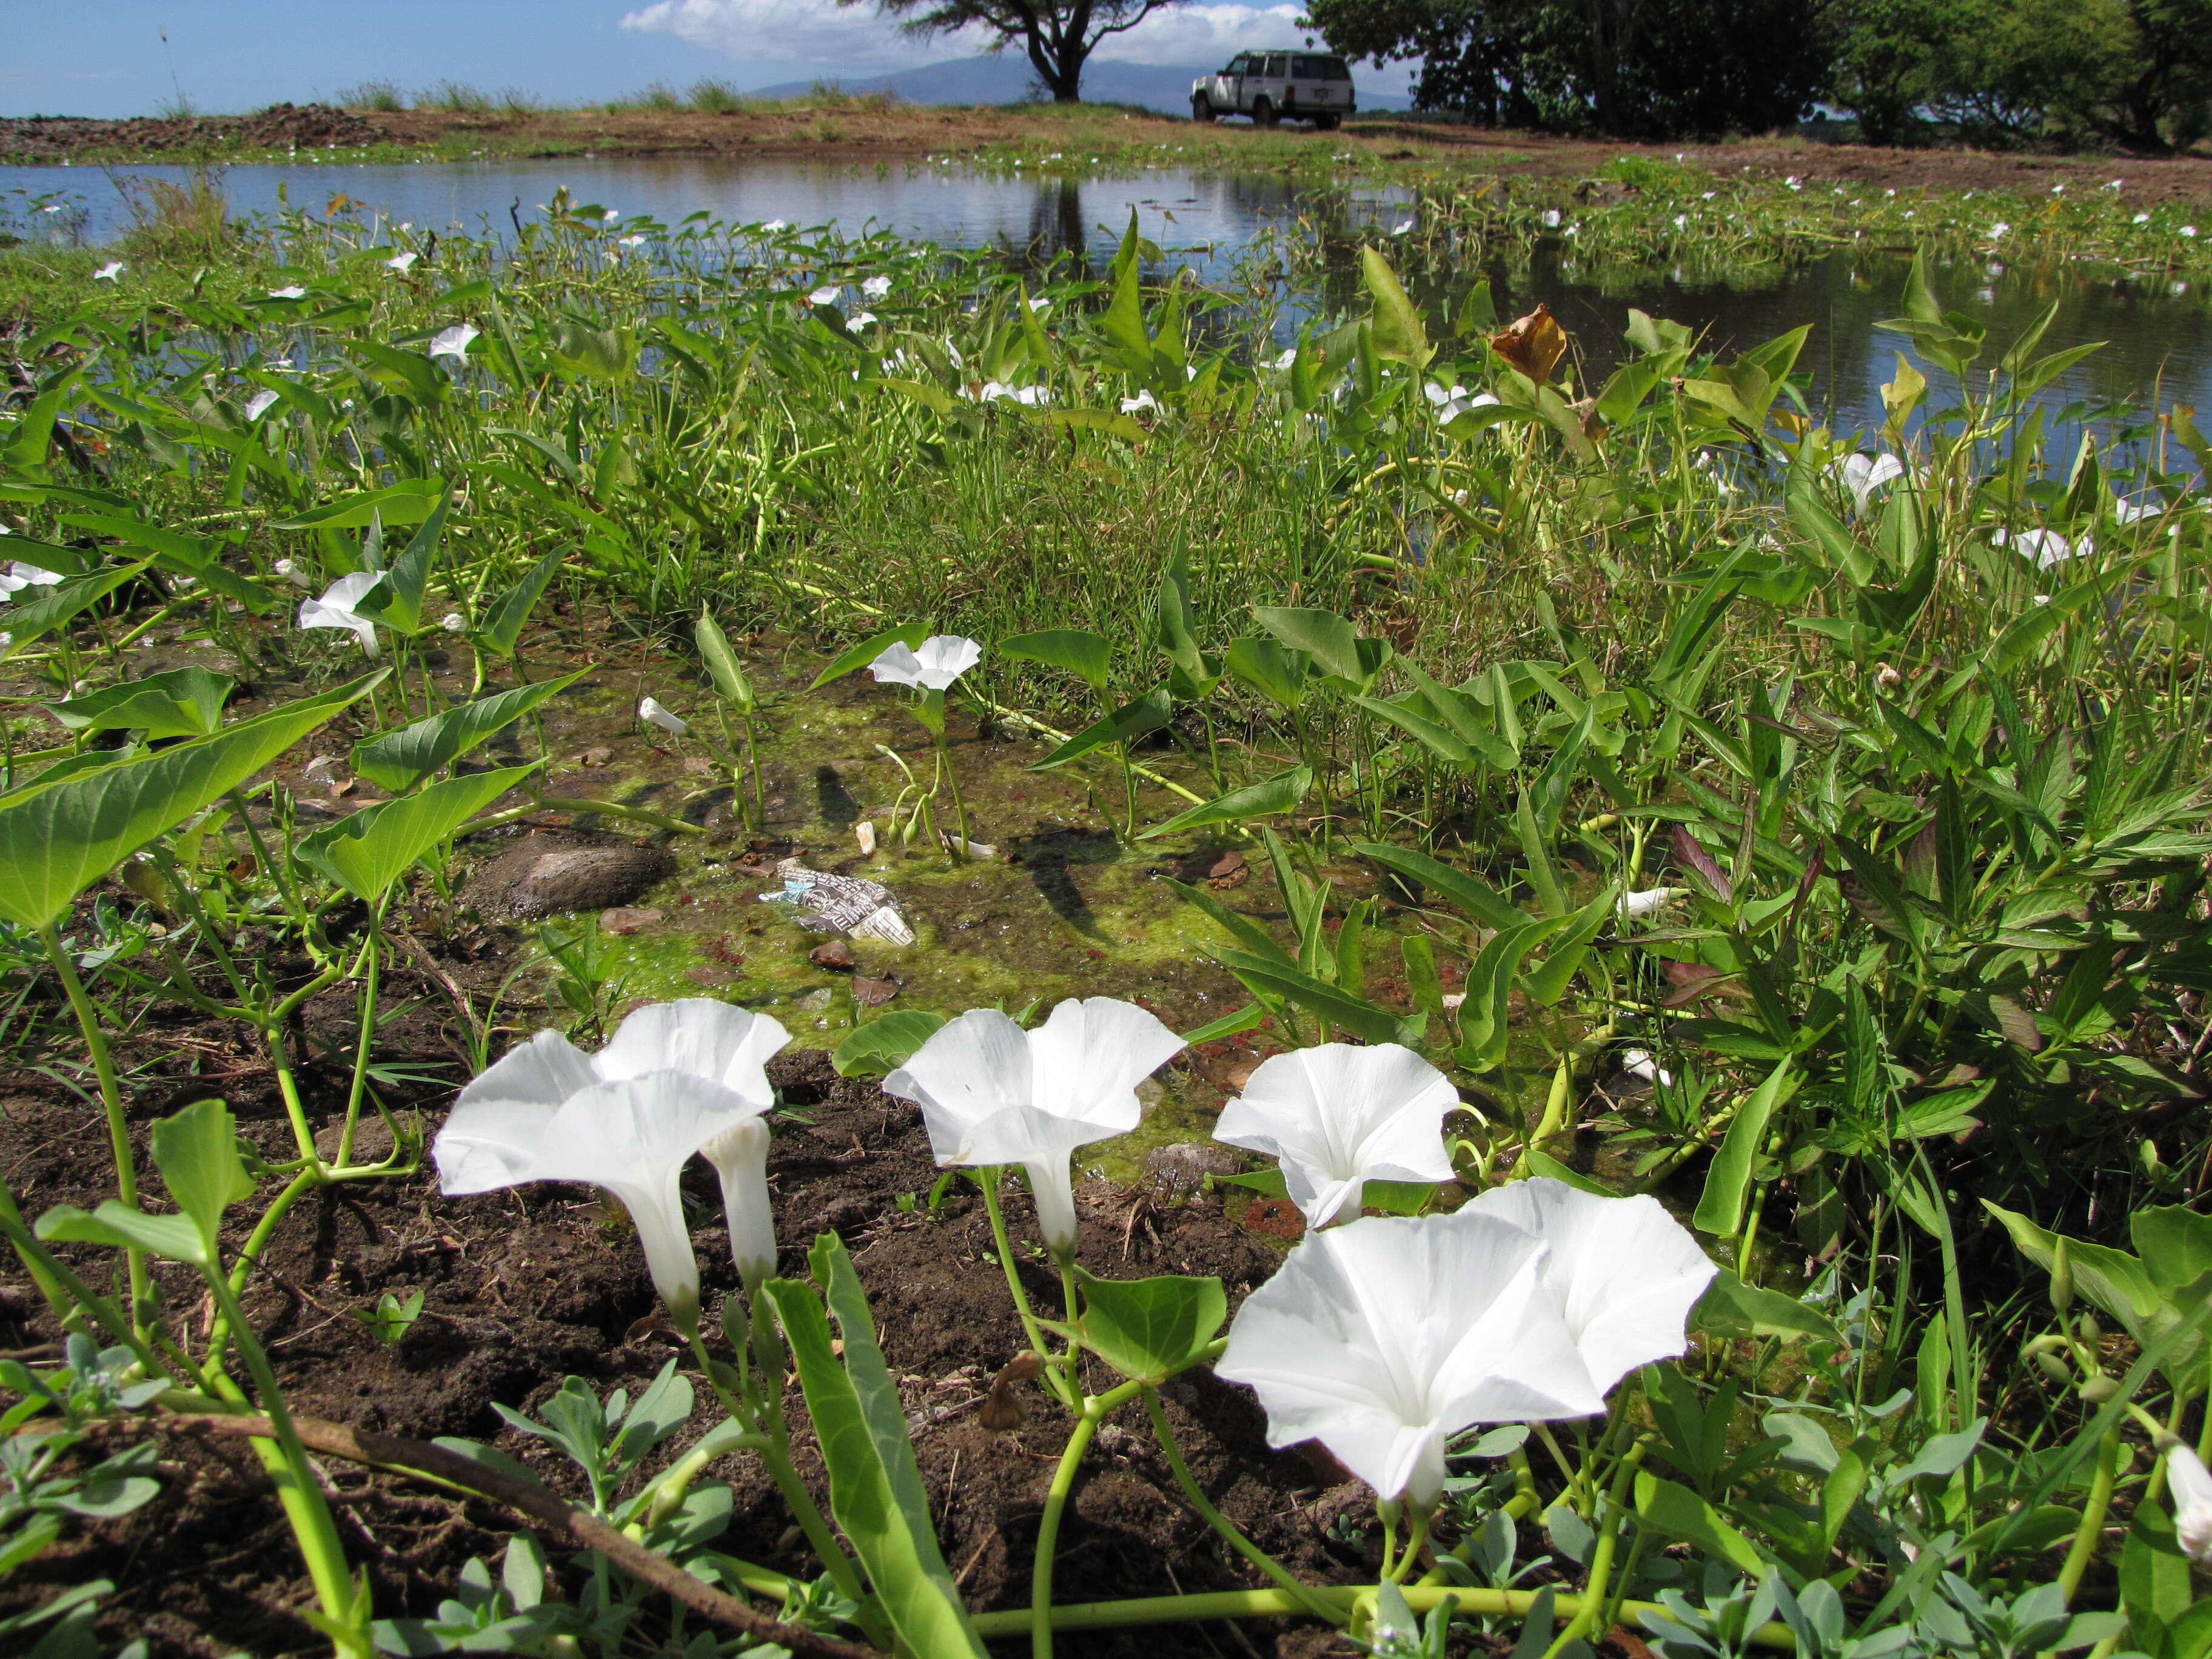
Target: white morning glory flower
[
  {"x": 1340, "y": 1116},
  {"x": 336, "y": 608},
  {"x": 1143, "y": 400},
  {"x": 1862, "y": 475},
  {"x": 1639, "y": 1063},
  {"x": 402, "y": 263},
  {"x": 2046, "y": 547},
  {"x": 454, "y": 622},
  {"x": 259, "y": 405},
  {"x": 291, "y": 573},
  {"x": 1401, "y": 227},
  {"x": 18, "y": 576},
  {"x": 2140, "y": 219},
  {"x": 993, "y": 1093},
  {"x": 941, "y": 659},
  {"x": 1623, "y": 1271},
  {"x": 2192, "y": 1502},
  {"x": 1650, "y": 902},
  {"x": 1286, "y": 360},
  {"x": 876, "y": 287},
  {"x": 1383, "y": 1338},
  {"x": 676, "y": 1079},
  {"x": 108, "y": 272},
  {"x": 294, "y": 292},
  {"x": 452, "y": 342},
  {"x": 825, "y": 296},
  {"x": 1550, "y": 218},
  {"x": 860, "y": 319},
  {"x": 773, "y": 226},
  {"x": 654, "y": 715},
  {"x": 2189, "y": 230}
]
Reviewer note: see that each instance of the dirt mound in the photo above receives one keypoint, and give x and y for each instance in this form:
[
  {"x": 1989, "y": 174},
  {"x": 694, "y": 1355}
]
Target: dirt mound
[{"x": 57, "y": 137}]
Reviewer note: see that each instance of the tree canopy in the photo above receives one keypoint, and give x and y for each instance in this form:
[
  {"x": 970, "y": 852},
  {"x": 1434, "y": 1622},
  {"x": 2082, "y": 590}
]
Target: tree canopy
[
  {"x": 1059, "y": 35},
  {"x": 2135, "y": 73}
]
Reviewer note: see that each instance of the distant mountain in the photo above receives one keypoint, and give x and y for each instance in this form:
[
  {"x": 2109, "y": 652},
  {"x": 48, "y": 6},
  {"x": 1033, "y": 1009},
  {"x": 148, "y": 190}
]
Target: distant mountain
[{"x": 1006, "y": 78}]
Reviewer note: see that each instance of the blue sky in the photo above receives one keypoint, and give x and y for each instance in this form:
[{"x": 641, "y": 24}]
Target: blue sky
[{"x": 106, "y": 57}]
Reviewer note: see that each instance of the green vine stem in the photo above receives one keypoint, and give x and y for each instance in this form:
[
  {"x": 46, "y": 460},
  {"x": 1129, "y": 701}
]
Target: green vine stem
[
  {"x": 1040, "y": 1620},
  {"x": 774, "y": 1446},
  {"x": 111, "y": 1100},
  {"x": 1221, "y": 1523},
  {"x": 2083, "y": 1549},
  {"x": 1614, "y": 1513},
  {"x": 297, "y": 1487}
]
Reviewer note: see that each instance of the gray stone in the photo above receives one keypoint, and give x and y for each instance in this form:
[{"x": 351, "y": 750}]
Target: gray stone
[
  {"x": 1179, "y": 1171},
  {"x": 547, "y": 877},
  {"x": 371, "y": 1142}
]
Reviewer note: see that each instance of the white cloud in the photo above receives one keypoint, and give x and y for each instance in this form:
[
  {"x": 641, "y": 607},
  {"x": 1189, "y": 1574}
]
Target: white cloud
[
  {"x": 1206, "y": 35},
  {"x": 796, "y": 31},
  {"x": 861, "y": 40}
]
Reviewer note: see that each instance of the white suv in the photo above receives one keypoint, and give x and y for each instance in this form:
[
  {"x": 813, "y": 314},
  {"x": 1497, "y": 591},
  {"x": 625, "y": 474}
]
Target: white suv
[{"x": 1273, "y": 86}]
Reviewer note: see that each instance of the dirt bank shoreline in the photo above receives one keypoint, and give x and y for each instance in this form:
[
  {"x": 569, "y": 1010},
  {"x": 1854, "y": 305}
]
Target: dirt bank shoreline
[{"x": 844, "y": 130}]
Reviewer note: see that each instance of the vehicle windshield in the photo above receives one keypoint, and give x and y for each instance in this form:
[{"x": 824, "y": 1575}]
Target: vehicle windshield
[{"x": 1320, "y": 69}]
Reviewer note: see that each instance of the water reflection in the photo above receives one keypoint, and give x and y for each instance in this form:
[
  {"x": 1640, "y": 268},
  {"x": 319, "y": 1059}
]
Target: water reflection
[{"x": 2159, "y": 341}]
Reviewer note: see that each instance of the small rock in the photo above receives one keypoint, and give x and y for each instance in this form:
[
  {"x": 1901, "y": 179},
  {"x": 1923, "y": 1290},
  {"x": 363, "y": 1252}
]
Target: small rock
[
  {"x": 1227, "y": 865},
  {"x": 699, "y": 766},
  {"x": 811, "y": 1002},
  {"x": 1237, "y": 1077},
  {"x": 598, "y": 755},
  {"x": 547, "y": 876},
  {"x": 1150, "y": 1093},
  {"x": 325, "y": 770},
  {"x": 372, "y": 1140},
  {"x": 874, "y": 993},
  {"x": 621, "y": 920},
  {"x": 1180, "y": 1171},
  {"x": 835, "y": 954},
  {"x": 864, "y": 833}
]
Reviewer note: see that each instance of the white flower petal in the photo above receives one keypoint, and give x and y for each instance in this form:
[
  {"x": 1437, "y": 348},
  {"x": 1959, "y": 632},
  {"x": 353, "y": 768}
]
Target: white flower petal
[
  {"x": 992, "y": 1093},
  {"x": 2192, "y": 1502},
  {"x": 654, "y": 715},
  {"x": 739, "y": 1155},
  {"x": 716, "y": 1040},
  {"x": 452, "y": 342},
  {"x": 1339, "y": 1117},
  {"x": 1626, "y": 1274},
  {"x": 1383, "y": 1338}
]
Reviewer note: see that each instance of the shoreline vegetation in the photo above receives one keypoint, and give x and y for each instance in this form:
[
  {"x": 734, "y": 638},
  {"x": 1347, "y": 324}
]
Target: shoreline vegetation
[{"x": 831, "y": 126}]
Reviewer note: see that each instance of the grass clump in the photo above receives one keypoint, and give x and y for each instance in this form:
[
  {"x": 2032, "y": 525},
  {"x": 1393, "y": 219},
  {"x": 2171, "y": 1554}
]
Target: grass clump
[{"x": 383, "y": 96}]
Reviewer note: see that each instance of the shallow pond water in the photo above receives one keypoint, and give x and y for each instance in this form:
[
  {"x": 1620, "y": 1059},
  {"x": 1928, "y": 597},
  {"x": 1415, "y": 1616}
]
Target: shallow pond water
[{"x": 2159, "y": 333}]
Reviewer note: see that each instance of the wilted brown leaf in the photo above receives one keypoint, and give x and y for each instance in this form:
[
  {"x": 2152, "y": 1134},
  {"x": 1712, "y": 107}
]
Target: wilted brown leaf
[{"x": 1533, "y": 345}]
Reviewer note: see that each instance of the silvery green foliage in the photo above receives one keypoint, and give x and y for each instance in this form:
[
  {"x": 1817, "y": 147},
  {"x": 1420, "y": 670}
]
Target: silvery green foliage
[
  {"x": 607, "y": 1440},
  {"x": 39, "y": 1486},
  {"x": 511, "y": 1615}
]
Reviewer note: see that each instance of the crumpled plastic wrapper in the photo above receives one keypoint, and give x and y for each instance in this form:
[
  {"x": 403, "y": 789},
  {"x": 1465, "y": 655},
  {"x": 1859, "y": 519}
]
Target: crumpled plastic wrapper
[{"x": 852, "y": 905}]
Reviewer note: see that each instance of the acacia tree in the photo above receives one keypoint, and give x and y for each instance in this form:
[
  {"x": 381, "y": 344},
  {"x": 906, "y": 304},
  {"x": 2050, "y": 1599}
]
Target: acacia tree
[{"x": 1059, "y": 35}]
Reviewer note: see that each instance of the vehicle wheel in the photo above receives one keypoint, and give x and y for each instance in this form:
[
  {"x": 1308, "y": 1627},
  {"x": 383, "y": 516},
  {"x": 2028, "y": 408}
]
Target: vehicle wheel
[
  {"x": 1263, "y": 113},
  {"x": 1327, "y": 123},
  {"x": 1201, "y": 108}
]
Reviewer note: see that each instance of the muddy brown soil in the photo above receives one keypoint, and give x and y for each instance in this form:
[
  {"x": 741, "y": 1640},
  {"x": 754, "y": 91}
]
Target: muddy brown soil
[{"x": 57, "y": 137}]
